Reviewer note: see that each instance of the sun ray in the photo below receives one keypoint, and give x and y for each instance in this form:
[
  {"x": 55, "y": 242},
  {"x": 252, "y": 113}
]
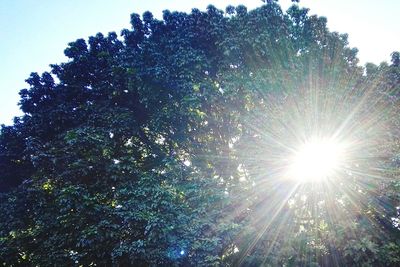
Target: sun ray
[{"x": 262, "y": 231}]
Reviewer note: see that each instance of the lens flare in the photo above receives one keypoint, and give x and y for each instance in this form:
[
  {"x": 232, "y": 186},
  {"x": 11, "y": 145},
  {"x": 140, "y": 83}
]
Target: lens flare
[{"x": 316, "y": 160}]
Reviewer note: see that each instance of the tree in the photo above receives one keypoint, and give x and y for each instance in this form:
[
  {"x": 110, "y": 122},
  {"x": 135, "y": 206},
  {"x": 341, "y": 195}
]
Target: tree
[{"x": 160, "y": 149}]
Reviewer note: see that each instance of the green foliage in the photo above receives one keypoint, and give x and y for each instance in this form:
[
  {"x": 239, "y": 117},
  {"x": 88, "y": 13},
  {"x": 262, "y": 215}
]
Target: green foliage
[{"x": 148, "y": 150}]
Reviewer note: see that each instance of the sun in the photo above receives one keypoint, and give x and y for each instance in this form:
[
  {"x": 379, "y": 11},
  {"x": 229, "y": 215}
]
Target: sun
[{"x": 316, "y": 160}]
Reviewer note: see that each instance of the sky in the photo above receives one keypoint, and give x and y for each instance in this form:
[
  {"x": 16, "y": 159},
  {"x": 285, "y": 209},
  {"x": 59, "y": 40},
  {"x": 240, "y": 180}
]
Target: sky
[{"x": 35, "y": 33}]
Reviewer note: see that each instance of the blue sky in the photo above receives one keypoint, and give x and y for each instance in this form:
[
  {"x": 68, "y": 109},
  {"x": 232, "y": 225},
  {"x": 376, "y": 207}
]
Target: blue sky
[{"x": 34, "y": 33}]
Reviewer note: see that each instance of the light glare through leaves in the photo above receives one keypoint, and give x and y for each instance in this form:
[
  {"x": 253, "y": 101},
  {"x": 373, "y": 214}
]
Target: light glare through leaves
[{"x": 316, "y": 160}]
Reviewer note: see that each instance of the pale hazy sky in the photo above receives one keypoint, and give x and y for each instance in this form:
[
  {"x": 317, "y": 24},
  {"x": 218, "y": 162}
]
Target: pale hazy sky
[{"x": 34, "y": 33}]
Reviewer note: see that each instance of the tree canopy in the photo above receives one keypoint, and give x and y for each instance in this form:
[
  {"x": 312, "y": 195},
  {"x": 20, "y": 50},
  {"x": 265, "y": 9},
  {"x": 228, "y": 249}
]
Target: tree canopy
[{"x": 167, "y": 145}]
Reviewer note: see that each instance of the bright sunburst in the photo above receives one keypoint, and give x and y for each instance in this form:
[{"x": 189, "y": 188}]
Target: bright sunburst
[{"x": 316, "y": 160}]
